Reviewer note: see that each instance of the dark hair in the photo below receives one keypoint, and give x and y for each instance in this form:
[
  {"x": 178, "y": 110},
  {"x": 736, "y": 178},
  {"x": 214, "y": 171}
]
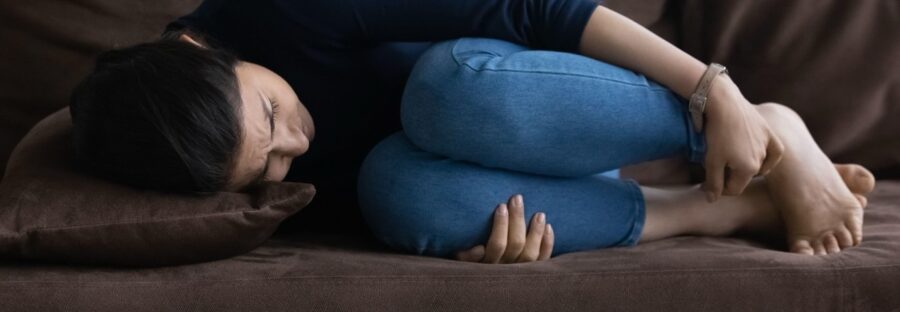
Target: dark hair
[{"x": 162, "y": 115}]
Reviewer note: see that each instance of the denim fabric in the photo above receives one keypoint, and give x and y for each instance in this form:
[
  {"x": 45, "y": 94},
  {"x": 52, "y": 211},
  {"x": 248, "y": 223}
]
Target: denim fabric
[{"x": 484, "y": 119}]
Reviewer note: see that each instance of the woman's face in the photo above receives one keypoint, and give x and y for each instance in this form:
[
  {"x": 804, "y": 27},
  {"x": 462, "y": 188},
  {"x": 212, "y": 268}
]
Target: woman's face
[{"x": 276, "y": 127}]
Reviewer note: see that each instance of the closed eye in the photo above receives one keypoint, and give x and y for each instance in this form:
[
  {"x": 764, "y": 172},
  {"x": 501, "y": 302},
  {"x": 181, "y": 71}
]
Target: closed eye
[{"x": 274, "y": 110}]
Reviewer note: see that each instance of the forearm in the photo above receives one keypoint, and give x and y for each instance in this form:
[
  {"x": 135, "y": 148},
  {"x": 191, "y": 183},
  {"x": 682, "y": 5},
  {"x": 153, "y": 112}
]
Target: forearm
[
  {"x": 615, "y": 39},
  {"x": 540, "y": 24},
  {"x": 738, "y": 138}
]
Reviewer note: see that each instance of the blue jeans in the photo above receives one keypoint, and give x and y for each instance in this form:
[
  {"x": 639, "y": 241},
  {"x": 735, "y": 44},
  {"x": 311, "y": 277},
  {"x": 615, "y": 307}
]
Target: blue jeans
[{"x": 484, "y": 119}]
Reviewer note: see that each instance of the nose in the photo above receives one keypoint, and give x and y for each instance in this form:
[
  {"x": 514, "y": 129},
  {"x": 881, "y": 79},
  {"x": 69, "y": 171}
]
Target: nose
[{"x": 295, "y": 145}]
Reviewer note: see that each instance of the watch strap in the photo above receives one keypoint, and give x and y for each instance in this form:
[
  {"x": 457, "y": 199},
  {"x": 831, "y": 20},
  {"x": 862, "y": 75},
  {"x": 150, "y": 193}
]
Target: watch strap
[{"x": 697, "y": 104}]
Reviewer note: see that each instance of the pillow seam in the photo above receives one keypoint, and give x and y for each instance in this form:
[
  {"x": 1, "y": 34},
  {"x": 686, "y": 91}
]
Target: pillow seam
[{"x": 60, "y": 228}]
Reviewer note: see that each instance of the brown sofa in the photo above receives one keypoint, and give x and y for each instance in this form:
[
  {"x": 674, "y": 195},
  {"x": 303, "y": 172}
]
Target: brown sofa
[{"x": 836, "y": 62}]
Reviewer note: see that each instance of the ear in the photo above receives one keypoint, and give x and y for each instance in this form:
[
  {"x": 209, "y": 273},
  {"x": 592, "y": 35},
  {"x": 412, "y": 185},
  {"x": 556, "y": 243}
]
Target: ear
[{"x": 188, "y": 39}]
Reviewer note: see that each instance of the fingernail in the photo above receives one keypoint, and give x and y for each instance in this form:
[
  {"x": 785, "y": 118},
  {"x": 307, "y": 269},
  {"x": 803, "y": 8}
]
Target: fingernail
[
  {"x": 541, "y": 217},
  {"x": 501, "y": 210},
  {"x": 549, "y": 228},
  {"x": 519, "y": 200}
]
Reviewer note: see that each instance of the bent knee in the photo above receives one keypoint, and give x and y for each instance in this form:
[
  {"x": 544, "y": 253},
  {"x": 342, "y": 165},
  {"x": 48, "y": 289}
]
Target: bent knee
[
  {"x": 410, "y": 205},
  {"x": 447, "y": 99}
]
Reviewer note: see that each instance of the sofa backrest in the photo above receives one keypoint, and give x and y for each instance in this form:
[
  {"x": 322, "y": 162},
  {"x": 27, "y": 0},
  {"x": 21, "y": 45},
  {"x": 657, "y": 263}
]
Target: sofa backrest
[
  {"x": 49, "y": 45},
  {"x": 834, "y": 61}
]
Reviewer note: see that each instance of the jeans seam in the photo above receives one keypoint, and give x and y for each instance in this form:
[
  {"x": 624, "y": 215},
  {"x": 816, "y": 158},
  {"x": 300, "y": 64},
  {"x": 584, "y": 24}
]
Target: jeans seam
[
  {"x": 695, "y": 143},
  {"x": 467, "y": 65},
  {"x": 651, "y": 88},
  {"x": 640, "y": 213}
]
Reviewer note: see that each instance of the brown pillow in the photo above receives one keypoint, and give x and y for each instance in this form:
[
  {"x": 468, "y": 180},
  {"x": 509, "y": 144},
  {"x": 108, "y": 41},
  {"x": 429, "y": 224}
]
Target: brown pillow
[{"x": 50, "y": 211}]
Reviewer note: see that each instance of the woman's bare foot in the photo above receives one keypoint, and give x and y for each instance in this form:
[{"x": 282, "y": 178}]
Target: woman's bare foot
[
  {"x": 684, "y": 210},
  {"x": 821, "y": 213}
]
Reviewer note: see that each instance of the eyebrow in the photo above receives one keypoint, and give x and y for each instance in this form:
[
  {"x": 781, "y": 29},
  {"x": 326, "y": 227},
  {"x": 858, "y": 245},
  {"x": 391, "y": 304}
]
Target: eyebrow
[{"x": 261, "y": 176}]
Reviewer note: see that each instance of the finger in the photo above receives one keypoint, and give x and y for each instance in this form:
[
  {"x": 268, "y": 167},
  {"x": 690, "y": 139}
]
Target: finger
[
  {"x": 547, "y": 243},
  {"x": 496, "y": 244},
  {"x": 738, "y": 181},
  {"x": 475, "y": 254},
  {"x": 715, "y": 175},
  {"x": 774, "y": 152},
  {"x": 516, "y": 237},
  {"x": 533, "y": 243}
]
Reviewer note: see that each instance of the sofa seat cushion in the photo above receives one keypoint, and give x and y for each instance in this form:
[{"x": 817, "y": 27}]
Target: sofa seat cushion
[{"x": 308, "y": 272}]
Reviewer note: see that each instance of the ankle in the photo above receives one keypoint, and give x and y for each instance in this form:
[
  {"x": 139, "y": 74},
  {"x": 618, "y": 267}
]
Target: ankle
[{"x": 701, "y": 214}]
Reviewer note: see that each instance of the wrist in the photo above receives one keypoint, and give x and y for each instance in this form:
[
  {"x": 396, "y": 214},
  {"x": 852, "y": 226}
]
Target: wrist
[
  {"x": 697, "y": 104},
  {"x": 723, "y": 94}
]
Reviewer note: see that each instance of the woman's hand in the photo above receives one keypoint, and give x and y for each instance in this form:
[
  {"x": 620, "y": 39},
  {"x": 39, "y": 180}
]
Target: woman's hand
[
  {"x": 509, "y": 243},
  {"x": 737, "y": 137},
  {"x": 739, "y": 143}
]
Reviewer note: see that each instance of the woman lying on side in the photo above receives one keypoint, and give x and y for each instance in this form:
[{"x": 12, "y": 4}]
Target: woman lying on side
[{"x": 514, "y": 99}]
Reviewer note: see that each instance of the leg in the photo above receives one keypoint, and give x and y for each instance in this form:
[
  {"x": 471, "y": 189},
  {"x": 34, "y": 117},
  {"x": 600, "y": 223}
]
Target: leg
[
  {"x": 423, "y": 203},
  {"x": 470, "y": 106},
  {"x": 683, "y": 210},
  {"x": 501, "y": 105}
]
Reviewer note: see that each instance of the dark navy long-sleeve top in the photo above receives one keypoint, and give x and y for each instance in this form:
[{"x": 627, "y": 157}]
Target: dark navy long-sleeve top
[{"x": 345, "y": 60}]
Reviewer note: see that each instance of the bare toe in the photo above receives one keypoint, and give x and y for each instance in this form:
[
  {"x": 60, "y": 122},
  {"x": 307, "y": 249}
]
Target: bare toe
[
  {"x": 818, "y": 247},
  {"x": 845, "y": 240},
  {"x": 863, "y": 201},
  {"x": 858, "y": 179},
  {"x": 856, "y": 233},
  {"x": 831, "y": 244},
  {"x": 802, "y": 247}
]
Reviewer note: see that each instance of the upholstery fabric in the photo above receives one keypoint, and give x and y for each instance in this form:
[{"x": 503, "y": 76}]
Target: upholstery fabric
[
  {"x": 49, "y": 45},
  {"x": 53, "y": 42},
  {"x": 51, "y": 211},
  {"x": 346, "y": 273},
  {"x": 835, "y": 62}
]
